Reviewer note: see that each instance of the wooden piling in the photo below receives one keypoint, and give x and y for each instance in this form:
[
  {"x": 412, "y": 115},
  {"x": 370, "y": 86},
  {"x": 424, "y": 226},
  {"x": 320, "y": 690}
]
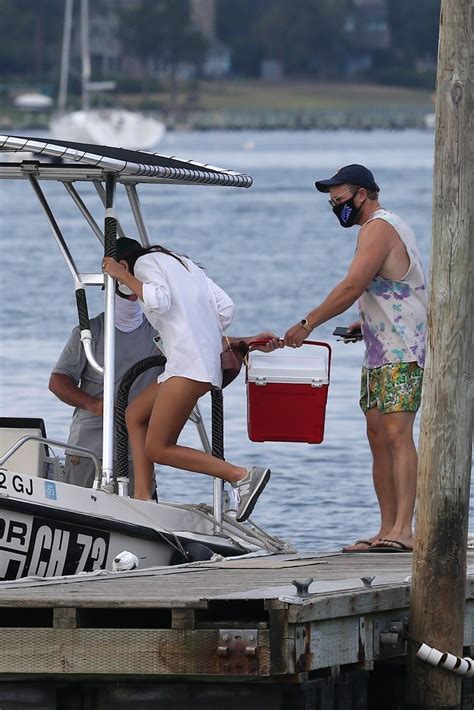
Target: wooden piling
[{"x": 439, "y": 562}]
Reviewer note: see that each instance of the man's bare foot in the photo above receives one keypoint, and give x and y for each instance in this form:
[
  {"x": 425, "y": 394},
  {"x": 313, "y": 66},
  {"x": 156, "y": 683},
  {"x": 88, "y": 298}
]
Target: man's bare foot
[{"x": 361, "y": 545}]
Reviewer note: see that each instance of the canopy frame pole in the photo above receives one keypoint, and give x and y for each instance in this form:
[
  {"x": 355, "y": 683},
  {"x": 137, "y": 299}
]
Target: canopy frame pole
[
  {"x": 196, "y": 418},
  {"x": 101, "y": 192},
  {"x": 217, "y": 415},
  {"x": 84, "y": 210},
  {"x": 218, "y": 484},
  {"x": 78, "y": 279},
  {"x": 57, "y": 234},
  {"x": 110, "y": 245},
  {"x": 134, "y": 200}
]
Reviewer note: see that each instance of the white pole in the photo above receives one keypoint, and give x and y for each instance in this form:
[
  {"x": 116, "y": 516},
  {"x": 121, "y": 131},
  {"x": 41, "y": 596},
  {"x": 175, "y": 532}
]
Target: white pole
[
  {"x": 65, "y": 56},
  {"x": 110, "y": 232},
  {"x": 85, "y": 54}
]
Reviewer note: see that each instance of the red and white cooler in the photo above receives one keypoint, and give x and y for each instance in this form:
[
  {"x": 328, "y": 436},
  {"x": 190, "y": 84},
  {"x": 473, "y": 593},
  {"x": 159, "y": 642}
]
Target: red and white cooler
[{"x": 287, "y": 391}]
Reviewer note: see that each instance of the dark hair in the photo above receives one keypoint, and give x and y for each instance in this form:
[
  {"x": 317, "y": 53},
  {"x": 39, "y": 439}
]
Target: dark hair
[
  {"x": 135, "y": 252},
  {"x": 371, "y": 194}
]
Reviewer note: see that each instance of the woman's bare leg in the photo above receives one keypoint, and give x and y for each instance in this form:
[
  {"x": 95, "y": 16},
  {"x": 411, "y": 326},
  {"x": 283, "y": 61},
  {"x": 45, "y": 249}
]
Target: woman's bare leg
[
  {"x": 137, "y": 416},
  {"x": 172, "y": 407}
]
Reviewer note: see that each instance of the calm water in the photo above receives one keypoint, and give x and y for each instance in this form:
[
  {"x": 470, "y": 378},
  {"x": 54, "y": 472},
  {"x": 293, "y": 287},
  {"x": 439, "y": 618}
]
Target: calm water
[{"x": 277, "y": 249}]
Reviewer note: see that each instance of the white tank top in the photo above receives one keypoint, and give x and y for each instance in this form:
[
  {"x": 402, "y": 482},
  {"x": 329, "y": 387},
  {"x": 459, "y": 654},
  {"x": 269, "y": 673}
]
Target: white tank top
[{"x": 393, "y": 313}]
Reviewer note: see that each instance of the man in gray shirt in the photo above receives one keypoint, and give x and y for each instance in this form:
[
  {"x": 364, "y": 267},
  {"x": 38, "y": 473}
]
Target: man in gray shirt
[{"x": 76, "y": 383}]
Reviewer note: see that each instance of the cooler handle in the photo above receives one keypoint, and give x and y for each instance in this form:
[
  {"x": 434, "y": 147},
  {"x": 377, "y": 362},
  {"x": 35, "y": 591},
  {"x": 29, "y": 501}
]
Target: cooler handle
[{"x": 305, "y": 342}]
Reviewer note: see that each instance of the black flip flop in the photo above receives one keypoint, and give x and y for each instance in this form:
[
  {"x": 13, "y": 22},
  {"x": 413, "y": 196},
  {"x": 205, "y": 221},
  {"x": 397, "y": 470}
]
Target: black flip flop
[{"x": 387, "y": 548}]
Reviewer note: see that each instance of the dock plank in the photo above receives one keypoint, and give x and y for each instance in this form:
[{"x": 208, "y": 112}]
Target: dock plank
[{"x": 194, "y": 584}]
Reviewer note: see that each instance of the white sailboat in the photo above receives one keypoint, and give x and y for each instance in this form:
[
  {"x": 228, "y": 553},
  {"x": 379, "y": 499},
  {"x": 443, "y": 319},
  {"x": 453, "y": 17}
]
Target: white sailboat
[{"x": 104, "y": 126}]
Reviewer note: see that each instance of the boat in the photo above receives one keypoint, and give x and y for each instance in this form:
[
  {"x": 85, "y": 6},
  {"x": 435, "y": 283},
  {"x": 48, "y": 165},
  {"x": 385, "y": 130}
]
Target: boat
[
  {"x": 125, "y": 128},
  {"x": 49, "y": 528},
  {"x": 110, "y": 126},
  {"x": 32, "y": 101}
]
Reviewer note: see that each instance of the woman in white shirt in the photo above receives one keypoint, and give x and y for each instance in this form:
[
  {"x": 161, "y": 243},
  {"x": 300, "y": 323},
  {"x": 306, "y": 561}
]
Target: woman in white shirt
[{"x": 190, "y": 312}]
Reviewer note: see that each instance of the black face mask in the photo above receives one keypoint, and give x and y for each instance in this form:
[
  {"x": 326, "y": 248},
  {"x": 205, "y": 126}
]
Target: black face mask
[{"x": 346, "y": 213}]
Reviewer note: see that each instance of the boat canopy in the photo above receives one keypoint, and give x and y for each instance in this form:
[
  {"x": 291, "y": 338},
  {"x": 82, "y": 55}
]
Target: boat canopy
[
  {"x": 105, "y": 167},
  {"x": 82, "y": 161}
]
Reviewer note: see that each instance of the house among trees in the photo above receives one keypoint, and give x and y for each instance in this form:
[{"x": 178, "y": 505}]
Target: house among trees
[
  {"x": 217, "y": 58},
  {"x": 367, "y": 30}
]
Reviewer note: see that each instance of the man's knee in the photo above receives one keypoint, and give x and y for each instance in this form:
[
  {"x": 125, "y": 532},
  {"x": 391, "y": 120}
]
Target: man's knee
[
  {"x": 399, "y": 429},
  {"x": 375, "y": 429},
  {"x": 397, "y": 439},
  {"x": 377, "y": 439}
]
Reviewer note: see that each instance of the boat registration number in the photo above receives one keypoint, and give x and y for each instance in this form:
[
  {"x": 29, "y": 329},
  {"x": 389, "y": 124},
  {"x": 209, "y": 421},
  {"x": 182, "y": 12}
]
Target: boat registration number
[{"x": 35, "y": 546}]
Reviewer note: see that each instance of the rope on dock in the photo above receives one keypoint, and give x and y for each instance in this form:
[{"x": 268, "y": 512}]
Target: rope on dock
[{"x": 252, "y": 533}]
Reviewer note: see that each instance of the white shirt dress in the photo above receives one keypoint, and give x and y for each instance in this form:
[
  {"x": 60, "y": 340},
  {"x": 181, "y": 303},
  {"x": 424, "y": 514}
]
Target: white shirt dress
[{"x": 189, "y": 311}]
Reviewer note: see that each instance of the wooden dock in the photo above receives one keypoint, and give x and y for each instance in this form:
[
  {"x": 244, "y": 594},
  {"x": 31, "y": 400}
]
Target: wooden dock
[
  {"x": 213, "y": 633},
  {"x": 218, "y": 622}
]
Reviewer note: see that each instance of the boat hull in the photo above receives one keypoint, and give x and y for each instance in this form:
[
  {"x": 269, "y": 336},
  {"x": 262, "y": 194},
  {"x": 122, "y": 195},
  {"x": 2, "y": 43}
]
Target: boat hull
[
  {"x": 51, "y": 529},
  {"x": 109, "y": 127}
]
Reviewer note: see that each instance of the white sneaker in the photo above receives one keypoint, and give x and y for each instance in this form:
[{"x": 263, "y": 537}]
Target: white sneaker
[{"x": 248, "y": 490}]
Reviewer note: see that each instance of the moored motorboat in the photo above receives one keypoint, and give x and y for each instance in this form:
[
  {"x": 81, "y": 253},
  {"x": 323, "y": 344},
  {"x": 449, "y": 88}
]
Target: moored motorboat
[{"x": 51, "y": 528}]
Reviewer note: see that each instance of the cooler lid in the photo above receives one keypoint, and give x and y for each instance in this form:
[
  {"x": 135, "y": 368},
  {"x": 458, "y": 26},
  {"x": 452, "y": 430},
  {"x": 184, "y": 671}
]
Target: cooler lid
[{"x": 299, "y": 366}]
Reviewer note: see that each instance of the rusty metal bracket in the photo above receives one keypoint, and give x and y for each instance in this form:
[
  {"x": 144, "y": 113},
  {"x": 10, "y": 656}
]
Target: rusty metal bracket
[
  {"x": 389, "y": 639},
  {"x": 390, "y": 636},
  {"x": 238, "y": 651}
]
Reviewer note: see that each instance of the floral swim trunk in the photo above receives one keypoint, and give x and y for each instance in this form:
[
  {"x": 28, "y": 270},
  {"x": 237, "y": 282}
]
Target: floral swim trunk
[{"x": 391, "y": 388}]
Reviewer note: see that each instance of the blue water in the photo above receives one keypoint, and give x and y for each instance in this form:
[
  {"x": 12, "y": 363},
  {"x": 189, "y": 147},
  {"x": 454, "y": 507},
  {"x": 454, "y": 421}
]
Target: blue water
[{"x": 277, "y": 249}]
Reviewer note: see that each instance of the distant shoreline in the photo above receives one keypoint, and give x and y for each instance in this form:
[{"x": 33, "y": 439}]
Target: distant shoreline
[
  {"x": 268, "y": 121},
  {"x": 381, "y": 118},
  {"x": 258, "y": 105}
]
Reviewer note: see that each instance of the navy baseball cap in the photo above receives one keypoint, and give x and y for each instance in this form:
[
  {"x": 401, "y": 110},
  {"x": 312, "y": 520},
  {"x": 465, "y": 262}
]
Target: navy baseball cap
[{"x": 350, "y": 175}]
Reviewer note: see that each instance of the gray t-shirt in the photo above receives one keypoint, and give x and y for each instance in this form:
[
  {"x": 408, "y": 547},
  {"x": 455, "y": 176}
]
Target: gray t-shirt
[{"x": 132, "y": 347}]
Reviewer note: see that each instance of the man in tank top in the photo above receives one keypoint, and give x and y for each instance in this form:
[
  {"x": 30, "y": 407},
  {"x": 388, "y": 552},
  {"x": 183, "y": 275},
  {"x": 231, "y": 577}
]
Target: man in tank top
[{"x": 386, "y": 278}]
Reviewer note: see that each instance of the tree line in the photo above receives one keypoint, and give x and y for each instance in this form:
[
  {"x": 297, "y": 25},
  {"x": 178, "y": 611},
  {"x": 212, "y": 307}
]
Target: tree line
[{"x": 307, "y": 38}]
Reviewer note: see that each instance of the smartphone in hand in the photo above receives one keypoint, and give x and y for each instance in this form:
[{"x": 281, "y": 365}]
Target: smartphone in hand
[{"x": 344, "y": 334}]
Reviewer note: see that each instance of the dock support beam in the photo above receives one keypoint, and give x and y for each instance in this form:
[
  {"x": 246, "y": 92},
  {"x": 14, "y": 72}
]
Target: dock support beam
[{"x": 439, "y": 561}]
